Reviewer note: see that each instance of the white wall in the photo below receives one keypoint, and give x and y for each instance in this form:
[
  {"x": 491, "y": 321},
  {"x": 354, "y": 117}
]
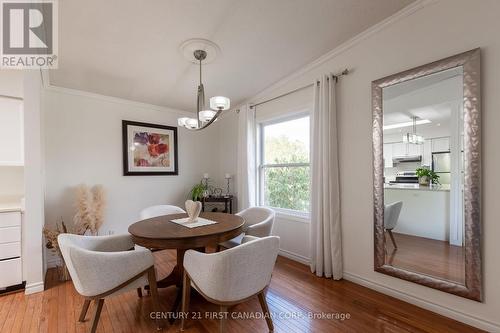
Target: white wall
[
  {"x": 33, "y": 261},
  {"x": 11, "y": 177},
  {"x": 11, "y": 180},
  {"x": 227, "y": 147},
  {"x": 11, "y": 83},
  {"x": 83, "y": 139},
  {"x": 438, "y": 30}
]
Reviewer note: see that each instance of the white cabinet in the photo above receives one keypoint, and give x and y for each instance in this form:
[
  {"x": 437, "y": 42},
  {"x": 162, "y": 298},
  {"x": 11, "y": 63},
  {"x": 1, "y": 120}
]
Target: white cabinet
[
  {"x": 12, "y": 272},
  {"x": 427, "y": 153},
  {"x": 388, "y": 155},
  {"x": 11, "y": 131},
  {"x": 440, "y": 144},
  {"x": 10, "y": 249},
  {"x": 414, "y": 150},
  {"x": 399, "y": 149}
]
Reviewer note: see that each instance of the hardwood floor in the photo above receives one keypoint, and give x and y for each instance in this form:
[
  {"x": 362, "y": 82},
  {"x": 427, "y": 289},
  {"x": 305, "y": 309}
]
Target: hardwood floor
[
  {"x": 294, "y": 293},
  {"x": 428, "y": 256}
]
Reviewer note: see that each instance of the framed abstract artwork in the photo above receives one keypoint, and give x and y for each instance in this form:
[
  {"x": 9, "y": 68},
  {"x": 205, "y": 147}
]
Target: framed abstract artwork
[{"x": 149, "y": 149}]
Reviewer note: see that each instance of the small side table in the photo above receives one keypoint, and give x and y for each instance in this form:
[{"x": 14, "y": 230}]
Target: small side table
[{"x": 227, "y": 200}]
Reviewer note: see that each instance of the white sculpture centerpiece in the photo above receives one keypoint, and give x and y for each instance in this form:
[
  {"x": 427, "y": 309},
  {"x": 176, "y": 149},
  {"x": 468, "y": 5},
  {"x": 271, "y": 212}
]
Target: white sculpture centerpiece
[{"x": 193, "y": 209}]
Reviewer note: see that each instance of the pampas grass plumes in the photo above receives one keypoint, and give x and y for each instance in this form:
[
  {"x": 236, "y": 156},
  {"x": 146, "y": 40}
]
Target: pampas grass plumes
[
  {"x": 89, "y": 209},
  {"x": 99, "y": 202}
]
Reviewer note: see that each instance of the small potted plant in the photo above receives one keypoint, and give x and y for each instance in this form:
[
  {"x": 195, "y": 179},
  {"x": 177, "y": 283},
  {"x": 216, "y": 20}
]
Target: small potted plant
[
  {"x": 198, "y": 191},
  {"x": 427, "y": 176}
]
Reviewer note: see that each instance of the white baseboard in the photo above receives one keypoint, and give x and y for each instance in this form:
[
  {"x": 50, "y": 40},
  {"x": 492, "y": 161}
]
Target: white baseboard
[
  {"x": 442, "y": 310},
  {"x": 294, "y": 256},
  {"x": 34, "y": 288}
]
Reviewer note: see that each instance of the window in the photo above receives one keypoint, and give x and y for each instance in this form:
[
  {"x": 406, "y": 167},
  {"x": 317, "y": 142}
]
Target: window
[{"x": 284, "y": 165}]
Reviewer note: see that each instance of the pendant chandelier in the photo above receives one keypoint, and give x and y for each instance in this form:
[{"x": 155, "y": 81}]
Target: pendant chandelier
[
  {"x": 204, "y": 116},
  {"x": 413, "y": 137}
]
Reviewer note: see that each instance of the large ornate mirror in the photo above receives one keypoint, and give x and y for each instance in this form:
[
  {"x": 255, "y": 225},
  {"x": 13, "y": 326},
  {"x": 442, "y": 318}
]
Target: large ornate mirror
[{"x": 427, "y": 154}]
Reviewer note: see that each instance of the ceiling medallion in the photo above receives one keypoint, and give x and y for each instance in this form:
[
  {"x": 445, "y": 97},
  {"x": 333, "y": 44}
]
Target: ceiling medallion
[{"x": 197, "y": 51}]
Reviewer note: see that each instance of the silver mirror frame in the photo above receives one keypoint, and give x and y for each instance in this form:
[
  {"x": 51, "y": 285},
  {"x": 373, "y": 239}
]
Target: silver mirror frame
[{"x": 470, "y": 61}]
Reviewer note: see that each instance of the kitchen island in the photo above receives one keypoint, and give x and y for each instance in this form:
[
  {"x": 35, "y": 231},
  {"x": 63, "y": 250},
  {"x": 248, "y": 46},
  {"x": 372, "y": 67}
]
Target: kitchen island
[
  {"x": 425, "y": 211},
  {"x": 403, "y": 186}
]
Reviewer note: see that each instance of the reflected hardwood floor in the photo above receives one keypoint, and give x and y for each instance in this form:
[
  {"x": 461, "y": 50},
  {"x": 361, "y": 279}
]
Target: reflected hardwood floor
[
  {"x": 428, "y": 256},
  {"x": 293, "y": 294}
]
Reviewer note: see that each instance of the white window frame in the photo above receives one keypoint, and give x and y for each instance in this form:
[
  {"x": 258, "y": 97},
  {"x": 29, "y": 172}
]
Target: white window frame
[{"x": 296, "y": 215}]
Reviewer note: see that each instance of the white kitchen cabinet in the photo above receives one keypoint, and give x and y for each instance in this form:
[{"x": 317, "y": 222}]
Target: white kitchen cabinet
[
  {"x": 399, "y": 149},
  {"x": 388, "y": 155},
  {"x": 12, "y": 272},
  {"x": 10, "y": 249},
  {"x": 427, "y": 153},
  {"x": 11, "y": 131},
  {"x": 440, "y": 144},
  {"x": 414, "y": 150}
]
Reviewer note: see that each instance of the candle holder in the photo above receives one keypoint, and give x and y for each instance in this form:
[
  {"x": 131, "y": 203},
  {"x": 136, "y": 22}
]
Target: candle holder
[
  {"x": 204, "y": 181},
  {"x": 228, "y": 190}
]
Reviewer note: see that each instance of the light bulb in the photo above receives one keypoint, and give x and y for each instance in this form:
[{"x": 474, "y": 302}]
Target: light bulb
[
  {"x": 220, "y": 103},
  {"x": 191, "y": 123},
  {"x": 207, "y": 115}
]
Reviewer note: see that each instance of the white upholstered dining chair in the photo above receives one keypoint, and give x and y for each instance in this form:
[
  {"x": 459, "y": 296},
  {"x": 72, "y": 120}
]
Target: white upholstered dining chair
[
  {"x": 391, "y": 217},
  {"x": 159, "y": 210},
  {"x": 221, "y": 278},
  {"x": 258, "y": 222},
  {"x": 102, "y": 266}
]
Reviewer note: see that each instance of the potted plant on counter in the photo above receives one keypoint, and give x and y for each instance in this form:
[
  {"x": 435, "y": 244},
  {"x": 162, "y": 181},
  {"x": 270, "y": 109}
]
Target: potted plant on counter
[{"x": 427, "y": 176}]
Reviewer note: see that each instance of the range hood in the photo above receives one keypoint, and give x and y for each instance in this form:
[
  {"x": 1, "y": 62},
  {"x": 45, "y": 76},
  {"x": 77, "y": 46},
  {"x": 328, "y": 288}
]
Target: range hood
[{"x": 407, "y": 158}]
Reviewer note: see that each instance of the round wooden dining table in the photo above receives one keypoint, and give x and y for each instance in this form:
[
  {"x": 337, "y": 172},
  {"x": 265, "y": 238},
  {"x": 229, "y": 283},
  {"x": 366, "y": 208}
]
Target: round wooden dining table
[{"x": 160, "y": 233}]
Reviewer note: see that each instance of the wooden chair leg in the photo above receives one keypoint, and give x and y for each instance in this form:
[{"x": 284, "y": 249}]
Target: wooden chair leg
[
  {"x": 154, "y": 293},
  {"x": 85, "y": 308},
  {"x": 265, "y": 309},
  {"x": 139, "y": 292},
  {"x": 186, "y": 293},
  {"x": 392, "y": 239},
  {"x": 97, "y": 314},
  {"x": 223, "y": 312}
]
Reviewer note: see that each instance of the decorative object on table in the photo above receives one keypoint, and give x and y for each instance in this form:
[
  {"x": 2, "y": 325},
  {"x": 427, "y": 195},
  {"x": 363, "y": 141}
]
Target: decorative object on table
[
  {"x": 149, "y": 149},
  {"x": 90, "y": 204},
  {"x": 216, "y": 192},
  {"x": 226, "y": 200},
  {"x": 199, "y": 222},
  {"x": 228, "y": 178},
  {"x": 427, "y": 177},
  {"x": 197, "y": 50},
  {"x": 204, "y": 181},
  {"x": 193, "y": 209}
]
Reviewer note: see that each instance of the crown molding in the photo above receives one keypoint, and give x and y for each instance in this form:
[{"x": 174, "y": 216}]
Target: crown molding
[
  {"x": 117, "y": 100},
  {"x": 405, "y": 12}
]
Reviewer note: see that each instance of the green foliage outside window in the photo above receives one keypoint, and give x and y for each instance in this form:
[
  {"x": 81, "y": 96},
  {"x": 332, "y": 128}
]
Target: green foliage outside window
[{"x": 288, "y": 186}]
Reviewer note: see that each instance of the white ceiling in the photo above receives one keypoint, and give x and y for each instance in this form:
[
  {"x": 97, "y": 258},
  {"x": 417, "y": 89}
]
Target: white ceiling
[
  {"x": 130, "y": 48},
  {"x": 432, "y": 97}
]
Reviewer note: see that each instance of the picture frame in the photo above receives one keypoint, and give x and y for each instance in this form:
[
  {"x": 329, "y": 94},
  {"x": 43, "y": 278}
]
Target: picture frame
[{"x": 149, "y": 149}]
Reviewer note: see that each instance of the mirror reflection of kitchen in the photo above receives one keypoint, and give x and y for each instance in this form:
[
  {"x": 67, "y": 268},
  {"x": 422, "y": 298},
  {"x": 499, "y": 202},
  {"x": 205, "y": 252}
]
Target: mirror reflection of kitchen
[{"x": 423, "y": 175}]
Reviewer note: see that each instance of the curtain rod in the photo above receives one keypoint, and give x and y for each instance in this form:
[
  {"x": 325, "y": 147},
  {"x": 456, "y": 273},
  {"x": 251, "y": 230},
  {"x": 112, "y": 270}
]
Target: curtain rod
[{"x": 343, "y": 73}]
